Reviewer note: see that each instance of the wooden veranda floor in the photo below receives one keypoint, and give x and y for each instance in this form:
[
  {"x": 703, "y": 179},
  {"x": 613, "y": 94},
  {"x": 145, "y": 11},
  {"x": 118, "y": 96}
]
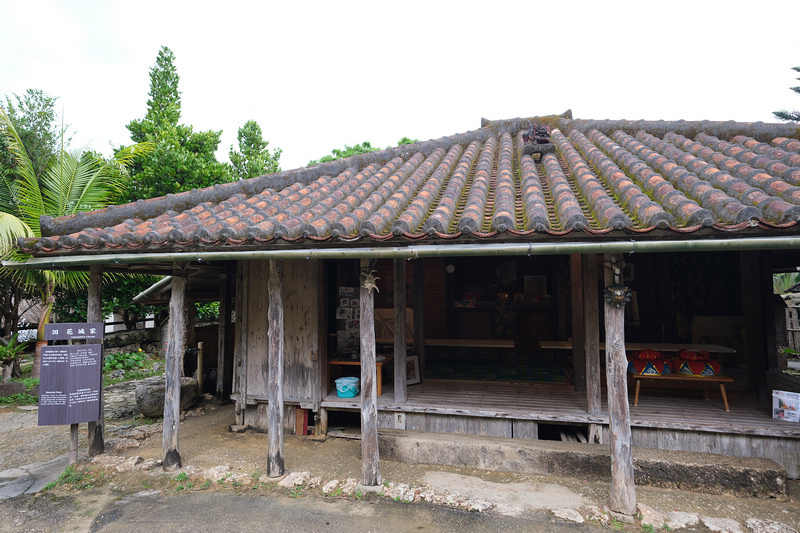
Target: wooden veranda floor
[{"x": 544, "y": 403}]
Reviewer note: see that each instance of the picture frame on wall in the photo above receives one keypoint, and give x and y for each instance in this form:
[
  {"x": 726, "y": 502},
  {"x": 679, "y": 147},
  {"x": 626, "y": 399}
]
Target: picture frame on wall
[{"x": 412, "y": 370}]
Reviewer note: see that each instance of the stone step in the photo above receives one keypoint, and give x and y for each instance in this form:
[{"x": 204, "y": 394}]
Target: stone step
[{"x": 693, "y": 471}]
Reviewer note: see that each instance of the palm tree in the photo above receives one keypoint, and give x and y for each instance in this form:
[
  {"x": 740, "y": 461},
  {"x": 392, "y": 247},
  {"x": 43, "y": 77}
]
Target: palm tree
[{"x": 74, "y": 181}]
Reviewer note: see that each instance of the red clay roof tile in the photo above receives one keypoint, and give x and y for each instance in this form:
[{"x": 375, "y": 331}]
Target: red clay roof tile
[{"x": 602, "y": 176}]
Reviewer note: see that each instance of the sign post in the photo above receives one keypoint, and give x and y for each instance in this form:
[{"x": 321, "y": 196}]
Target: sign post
[{"x": 71, "y": 381}]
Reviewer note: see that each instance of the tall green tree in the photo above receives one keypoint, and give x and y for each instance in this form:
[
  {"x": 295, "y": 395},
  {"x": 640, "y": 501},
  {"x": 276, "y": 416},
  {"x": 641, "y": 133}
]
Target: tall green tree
[
  {"x": 36, "y": 122},
  {"x": 71, "y": 182},
  {"x": 253, "y": 159},
  {"x": 348, "y": 151},
  {"x": 793, "y": 116},
  {"x": 182, "y": 159}
]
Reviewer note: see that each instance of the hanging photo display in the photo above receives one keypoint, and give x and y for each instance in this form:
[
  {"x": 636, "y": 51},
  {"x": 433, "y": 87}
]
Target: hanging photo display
[{"x": 348, "y": 315}]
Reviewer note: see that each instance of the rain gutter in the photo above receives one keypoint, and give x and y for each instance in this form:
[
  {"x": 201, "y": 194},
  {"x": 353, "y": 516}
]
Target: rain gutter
[
  {"x": 417, "y": 251},
  {"x": 153, "y": 289}
]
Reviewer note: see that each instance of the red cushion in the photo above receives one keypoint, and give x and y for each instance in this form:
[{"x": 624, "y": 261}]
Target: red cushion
[
  {"x": 688, "y": 355},
  {"x": 696, "y": 368},
  {"x": 647, "y": 355},
  {"x": 652, "y": 367}
]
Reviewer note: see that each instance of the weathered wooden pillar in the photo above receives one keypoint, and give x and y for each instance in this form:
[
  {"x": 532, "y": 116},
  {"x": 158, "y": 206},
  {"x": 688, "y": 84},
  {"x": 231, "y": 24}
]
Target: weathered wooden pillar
[
  {"x": 400, "y": 390},
  {"x": 754, "y": 291},
  {"x": 275, "y": 466},
  {"x": 370, "y": 461},
  {"x": 419, "y": 313},
  {"x": 623, "y": 490},
  {"x": 94, "y": 313},
  {"x": 592, "y": 334},
  {"x": 224, "y": 356},
  {"x": 174, "y": 357},
  {"x": 578, "y": 320},
  {"x": 240, "y": 349}
]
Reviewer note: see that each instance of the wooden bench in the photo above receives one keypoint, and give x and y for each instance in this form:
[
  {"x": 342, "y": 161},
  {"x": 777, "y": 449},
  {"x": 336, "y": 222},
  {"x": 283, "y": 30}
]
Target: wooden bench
[{"x": 722, "y": 380}]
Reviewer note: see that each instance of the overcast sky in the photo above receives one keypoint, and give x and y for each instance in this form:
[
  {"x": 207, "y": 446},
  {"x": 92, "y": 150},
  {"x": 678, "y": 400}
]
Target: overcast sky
[{"x": 318, "y": 75}]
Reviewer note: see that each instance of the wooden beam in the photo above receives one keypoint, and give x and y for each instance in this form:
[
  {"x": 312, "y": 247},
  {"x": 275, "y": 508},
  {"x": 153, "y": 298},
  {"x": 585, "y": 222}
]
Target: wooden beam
[
  {"x": 370, "y": 461},
  {"x": 622, "y": 490},
  {"x": 172, "y": 392},
  {"x": 592, "y": 334},
  {"x": 578, "y": 328},
  {"x": 419, "y": 312},
  {"x": 94, "y": 313},
  {"x": 275, "y": 466},
  {"x": 400, "y": 392}
]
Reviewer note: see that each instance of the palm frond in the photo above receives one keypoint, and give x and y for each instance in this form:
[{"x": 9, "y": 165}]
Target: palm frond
[
  {"x": 25, "y": 191},
  {"x": 11, "y": 228}
]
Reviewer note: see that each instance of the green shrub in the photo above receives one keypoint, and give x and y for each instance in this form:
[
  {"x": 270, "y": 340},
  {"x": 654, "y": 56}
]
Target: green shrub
[
  {"x": 124, "y": 361},
  {"x": 20, "y": 399}
]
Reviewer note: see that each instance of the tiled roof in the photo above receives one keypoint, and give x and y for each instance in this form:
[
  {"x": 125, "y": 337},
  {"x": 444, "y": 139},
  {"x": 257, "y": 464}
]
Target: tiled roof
[{"x": 601, "y": 179}]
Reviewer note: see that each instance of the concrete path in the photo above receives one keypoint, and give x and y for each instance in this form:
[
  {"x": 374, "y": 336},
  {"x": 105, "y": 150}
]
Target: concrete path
[{"x": 30, "y": 479}]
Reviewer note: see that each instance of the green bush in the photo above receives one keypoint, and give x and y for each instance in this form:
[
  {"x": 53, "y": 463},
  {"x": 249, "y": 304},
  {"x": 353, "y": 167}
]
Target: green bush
[
  {"x": 20, "y": 399},
  {"x": 124, "y": 361}
]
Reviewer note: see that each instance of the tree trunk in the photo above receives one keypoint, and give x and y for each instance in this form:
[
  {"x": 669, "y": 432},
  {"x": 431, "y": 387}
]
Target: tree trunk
[{"x": 48, "y": 298}]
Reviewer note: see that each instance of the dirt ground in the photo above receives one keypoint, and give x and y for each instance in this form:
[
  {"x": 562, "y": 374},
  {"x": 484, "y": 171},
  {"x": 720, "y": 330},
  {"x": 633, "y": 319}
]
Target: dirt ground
[{"x": 206, "y": 442}]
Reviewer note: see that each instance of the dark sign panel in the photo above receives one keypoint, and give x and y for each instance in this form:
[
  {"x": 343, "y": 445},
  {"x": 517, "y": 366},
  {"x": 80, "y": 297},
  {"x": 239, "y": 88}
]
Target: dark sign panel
[
  {"x": 73, "y": 331},
  {"x": 69, "y": 384}
]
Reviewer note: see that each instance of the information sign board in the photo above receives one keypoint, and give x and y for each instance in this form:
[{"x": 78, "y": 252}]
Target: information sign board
[
  {"x": 71, "y": 377},
  {"x": 73, "y": 331}
]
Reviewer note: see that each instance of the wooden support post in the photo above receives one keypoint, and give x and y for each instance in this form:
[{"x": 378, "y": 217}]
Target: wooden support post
[
  {"x": 172, "y": 393},
  {"x": 240, "y": 351},
  {"x": 400, "y": 391},
  {"x": 592, "y": 335},
  {"x": 275, "y": 467},
  {"x": 623, "y": 490},
  {"x": 200, "y": 384},
  {"x": 321, "y": 426},
  {"x": 73, "y": 444},
  {"x": 419, "y": 313},
  {"x": 224, "y": 355},
  {"x": 754, "y": 289},
  {"x": 94, "y": 313},
  {"x": 578, "y": 329},
  {"x": 370, "y": 461}
]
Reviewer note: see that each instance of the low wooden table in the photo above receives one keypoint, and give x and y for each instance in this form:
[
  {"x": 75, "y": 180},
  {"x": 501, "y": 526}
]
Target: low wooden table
[
  {"x": 634, "y": 346},
  {"x": 722, "y": 380},
  {"x": 387, "y": 358}
]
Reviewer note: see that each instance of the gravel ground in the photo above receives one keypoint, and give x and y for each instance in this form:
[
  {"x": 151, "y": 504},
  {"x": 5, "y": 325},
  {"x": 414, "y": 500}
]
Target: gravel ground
[{"x": 206, "y": 442}]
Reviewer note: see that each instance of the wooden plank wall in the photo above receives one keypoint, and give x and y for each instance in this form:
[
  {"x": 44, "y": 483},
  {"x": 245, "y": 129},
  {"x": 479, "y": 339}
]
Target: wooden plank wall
[
  {"x": 256, "y": 344},
  {"x": 302, "y": 374},
  {"x": 301, "y": 342},
  {"x": 302, "y": 339}
]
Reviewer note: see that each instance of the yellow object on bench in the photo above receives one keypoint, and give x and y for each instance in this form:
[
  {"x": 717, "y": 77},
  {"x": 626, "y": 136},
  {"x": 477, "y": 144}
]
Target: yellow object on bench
[{"x": 722, "y": 380}]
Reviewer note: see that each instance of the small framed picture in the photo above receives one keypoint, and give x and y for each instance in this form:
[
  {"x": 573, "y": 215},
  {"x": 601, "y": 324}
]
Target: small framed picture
[
  {"x": 355, "y": 302},
  {"x": 344, "y": 302},
  {"x": 341, "y": 313},
  {"x": 412, "y": 370}
]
